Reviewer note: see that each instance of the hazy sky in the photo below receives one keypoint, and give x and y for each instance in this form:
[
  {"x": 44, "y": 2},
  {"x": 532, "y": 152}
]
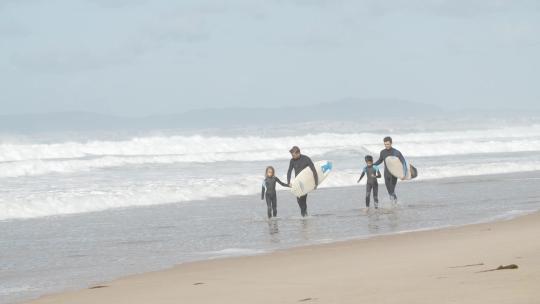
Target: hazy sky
[{"x": 137, "y": 57}]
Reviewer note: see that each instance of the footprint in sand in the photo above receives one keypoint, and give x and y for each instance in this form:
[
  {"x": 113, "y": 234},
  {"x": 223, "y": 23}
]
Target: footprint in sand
[{"x": 307, "y": 299}]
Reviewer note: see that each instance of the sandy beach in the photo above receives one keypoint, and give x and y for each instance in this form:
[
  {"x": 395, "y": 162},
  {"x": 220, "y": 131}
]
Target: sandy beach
[{"x": 440, "y": 266}]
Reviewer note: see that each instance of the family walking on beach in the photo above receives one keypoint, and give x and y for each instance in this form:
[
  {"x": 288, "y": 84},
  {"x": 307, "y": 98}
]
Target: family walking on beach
[{"x": 300, "y": 161}]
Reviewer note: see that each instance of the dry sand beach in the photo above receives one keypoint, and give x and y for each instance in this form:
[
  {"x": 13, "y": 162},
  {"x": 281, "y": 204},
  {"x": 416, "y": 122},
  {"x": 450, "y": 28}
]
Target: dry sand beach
[{"x": 440, "y": 266}]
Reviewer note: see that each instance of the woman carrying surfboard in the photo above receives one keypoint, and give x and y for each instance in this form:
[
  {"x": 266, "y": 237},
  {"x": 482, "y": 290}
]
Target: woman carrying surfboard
[{"x": 299, "y": 162}]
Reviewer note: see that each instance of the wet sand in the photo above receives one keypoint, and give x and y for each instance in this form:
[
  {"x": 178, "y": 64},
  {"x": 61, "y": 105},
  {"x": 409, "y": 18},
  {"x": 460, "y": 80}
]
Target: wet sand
[{"x": 439, "y": 266}]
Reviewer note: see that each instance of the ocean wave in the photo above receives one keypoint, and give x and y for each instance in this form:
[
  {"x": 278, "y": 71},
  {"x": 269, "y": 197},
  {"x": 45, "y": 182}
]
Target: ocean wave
[
  {"x": 213, "y": 148},
  {"x": 87, "y": 197},
  {"x": 23, "y": 159},
  {"x": 108, "y": 195},
  {"x": 349, "y": 177}
]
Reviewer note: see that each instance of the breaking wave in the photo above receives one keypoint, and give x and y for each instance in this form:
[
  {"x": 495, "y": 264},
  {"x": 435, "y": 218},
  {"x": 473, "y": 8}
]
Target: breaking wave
[{"x": 24, "y": 159}]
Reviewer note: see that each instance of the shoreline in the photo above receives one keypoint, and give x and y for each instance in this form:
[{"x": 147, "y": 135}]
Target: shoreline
[{"x": 221, "y": 275}]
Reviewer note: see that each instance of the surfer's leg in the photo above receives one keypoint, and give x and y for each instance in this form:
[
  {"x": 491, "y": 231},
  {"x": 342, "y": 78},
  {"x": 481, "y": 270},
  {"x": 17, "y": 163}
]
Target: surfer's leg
[
  {"x": 274, "y": 206},
  {"x": 394, "y": 183},
  {"x": 390, "y": 183},
  {"x": 376, "y": 195},
  {"x": 302, "y": 204},
  {"x": 368, "y": 193},
  {"x": 305, "y": 205},
  {"x": 387, "y": 183},
  {"x": 269, "y": 205}
]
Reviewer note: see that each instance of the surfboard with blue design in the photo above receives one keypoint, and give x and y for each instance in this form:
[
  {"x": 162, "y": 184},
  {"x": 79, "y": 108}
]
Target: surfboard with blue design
[{"x": 304, "y": 182}]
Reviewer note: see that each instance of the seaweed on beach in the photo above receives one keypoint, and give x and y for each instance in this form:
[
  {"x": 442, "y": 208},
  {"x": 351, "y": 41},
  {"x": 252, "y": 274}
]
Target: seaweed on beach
[{"x": 511, "y": 266}]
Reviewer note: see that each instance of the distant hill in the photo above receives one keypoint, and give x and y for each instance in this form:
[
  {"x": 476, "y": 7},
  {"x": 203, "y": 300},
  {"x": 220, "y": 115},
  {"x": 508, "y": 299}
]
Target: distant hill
[{"x": 346, "y": 110}]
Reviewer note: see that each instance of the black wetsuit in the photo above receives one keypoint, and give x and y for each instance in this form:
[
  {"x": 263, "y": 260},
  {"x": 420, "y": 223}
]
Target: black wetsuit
[
  {"x": 298, "y": 165},
  {"x": 390, "y": 180},
  {"x": 269, "y": 191},
  {"x": 372, "y": 173}
]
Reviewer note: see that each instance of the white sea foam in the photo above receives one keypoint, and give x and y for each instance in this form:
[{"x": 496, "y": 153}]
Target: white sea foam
[
  {"x": 19, "y": 159},
  {"x": 508, "y": 215},
  {"x": 7, "y": 290},
  {"x": 118, "y": 194},
  {"x": 349, "y": 177},
  {"x": 229, "y": 252},
  {"x": 212, "y": 148}
]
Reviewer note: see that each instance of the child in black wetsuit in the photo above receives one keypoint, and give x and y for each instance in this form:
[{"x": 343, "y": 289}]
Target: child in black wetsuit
[
  {"x": 372, "y": 173},
  {"x": 269, "y": 191}
]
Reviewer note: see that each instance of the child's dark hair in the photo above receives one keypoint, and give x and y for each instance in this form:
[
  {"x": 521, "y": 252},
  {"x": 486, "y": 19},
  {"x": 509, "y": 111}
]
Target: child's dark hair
[
  {"x": 387, "y": 139},
  {"x": 368, "y": 158},
  {"x": 269, "y": 168}
]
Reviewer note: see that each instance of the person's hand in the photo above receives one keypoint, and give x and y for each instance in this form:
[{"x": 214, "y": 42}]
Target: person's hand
[
  {"x": 402, "y": 178},
  {"x": 290, "y": 185}
]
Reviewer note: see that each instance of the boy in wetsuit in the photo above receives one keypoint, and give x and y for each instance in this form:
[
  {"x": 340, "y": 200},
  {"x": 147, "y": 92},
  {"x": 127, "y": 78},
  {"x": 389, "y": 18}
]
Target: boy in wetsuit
[
  {"x": 389, "y": 180},
  {"x": 269, "y": 191},
  {"x": 372, "y": 173}
]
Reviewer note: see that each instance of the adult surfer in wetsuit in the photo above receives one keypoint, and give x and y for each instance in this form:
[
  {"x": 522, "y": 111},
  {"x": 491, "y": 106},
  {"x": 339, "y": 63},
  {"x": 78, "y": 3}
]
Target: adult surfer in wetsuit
[
  {"x": 299, "y": 162},
  {"x": 390, "y": 180}
]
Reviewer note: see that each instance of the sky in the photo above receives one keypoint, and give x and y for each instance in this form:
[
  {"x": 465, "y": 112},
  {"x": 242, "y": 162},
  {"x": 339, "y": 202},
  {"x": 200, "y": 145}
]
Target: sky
[{"x": 139, "y": 57}]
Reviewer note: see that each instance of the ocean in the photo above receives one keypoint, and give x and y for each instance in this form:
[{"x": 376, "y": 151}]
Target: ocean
[{"x": 78, "y": 209}]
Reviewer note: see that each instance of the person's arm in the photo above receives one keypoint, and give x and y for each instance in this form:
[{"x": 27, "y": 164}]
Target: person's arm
[
  {"x": 403, "y": 162},
  {"x": 263, "y": 190},
  {"x": 282, "y": 183},
  {"x": 381, "y": 159},
  {"x": 378, "y": 173},
  {"x": 361, "y": 176},
  {"x": 289, "y": 172},
  {"x": 315, "y": 175}
]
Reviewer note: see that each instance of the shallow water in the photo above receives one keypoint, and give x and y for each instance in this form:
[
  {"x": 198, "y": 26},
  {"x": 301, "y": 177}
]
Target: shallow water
[{"x": 51, "y": 254}]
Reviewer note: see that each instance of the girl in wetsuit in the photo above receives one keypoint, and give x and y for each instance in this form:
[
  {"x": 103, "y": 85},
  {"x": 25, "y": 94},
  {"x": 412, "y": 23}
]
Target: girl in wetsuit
[{"x": 269, "y": 191}]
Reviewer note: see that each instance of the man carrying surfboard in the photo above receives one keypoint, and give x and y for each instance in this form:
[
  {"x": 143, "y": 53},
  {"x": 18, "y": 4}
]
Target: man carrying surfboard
[
  {"x": 299, "y": 162},
  {"x": 390, "y": 180}
]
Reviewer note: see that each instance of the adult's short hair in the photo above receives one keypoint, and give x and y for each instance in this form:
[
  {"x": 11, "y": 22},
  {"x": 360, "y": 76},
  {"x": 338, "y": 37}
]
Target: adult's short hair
[
  {"x": 294, "y": 149},
  {"x": 387, "y": 139}
]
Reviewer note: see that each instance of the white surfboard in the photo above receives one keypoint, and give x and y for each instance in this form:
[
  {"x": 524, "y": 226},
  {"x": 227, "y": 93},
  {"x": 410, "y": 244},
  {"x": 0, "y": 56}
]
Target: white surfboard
[
  {"x": 304, "y": 182},
  {"x": 394, "y": 165}
]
